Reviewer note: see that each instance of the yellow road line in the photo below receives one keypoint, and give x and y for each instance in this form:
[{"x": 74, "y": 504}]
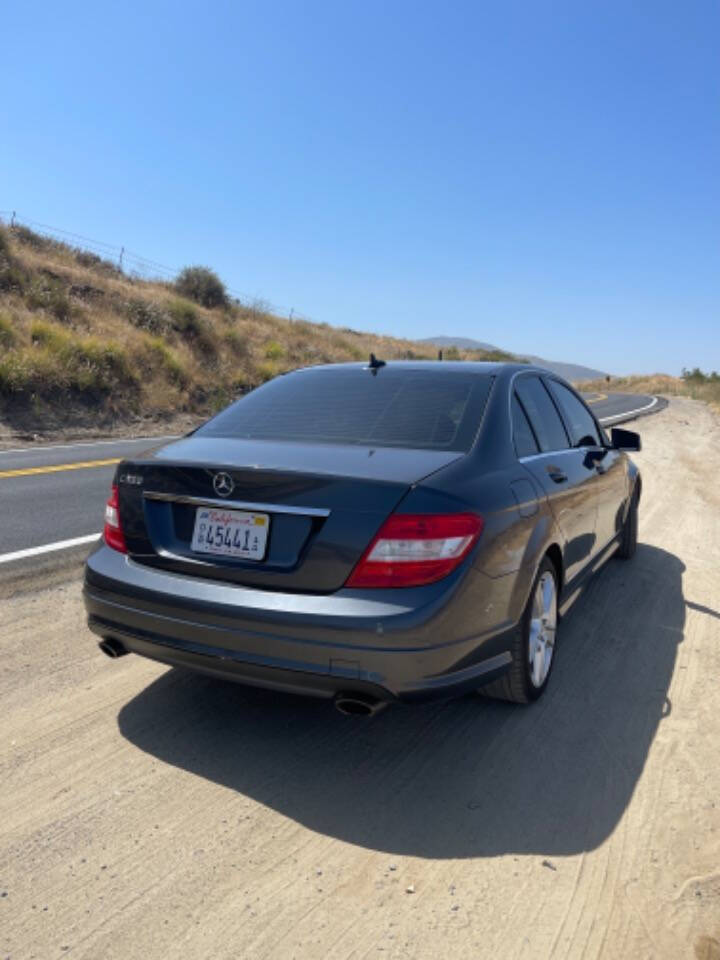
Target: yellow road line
[
  {"x": 598, "y": 398},
  {"x": 57, "y": 468}
]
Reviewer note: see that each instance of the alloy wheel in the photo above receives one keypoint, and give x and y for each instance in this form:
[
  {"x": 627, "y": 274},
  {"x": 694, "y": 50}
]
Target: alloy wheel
[{"x": 543, "y": 623}]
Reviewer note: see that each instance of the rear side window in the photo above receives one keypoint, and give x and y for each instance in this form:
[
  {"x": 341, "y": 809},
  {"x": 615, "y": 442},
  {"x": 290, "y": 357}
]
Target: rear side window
[
  {"x": 523, "y": 437},
  {"x": 396, "y": 407},
  {"x": 583, "y": 431},
  {"x": 542, "y": 414}
]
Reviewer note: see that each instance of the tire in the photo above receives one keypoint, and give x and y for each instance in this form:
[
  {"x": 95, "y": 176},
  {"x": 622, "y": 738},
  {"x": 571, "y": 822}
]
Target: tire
[
  {"x": 527, "y": 677},
  {"x": 628, "y": 541}
]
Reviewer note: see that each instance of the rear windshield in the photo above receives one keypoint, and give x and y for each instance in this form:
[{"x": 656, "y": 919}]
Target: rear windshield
[{"x": 351, "y": 405}]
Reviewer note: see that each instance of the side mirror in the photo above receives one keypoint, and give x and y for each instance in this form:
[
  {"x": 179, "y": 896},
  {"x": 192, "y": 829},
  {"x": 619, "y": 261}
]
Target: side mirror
[{"x": 625, "y": 439}]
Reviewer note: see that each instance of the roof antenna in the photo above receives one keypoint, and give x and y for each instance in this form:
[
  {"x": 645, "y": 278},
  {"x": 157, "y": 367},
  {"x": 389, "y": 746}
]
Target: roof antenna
[{"x": 375, "y": 364}]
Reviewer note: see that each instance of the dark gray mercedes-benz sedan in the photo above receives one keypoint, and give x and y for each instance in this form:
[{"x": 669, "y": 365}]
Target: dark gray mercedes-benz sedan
[{"x": 369, "y": 533}]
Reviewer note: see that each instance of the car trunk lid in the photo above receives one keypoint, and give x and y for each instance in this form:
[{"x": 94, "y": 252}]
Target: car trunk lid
[{"x": 324, "y": 503}]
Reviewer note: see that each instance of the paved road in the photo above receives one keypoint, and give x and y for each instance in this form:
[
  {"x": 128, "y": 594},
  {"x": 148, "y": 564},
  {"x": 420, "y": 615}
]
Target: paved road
[
  {"x": 615, "y": 408},
  {"x": 51, "y": 494},
  {"x": 56, "y": 493}
]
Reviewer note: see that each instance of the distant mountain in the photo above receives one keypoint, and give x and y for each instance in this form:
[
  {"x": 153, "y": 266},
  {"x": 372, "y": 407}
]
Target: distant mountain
[
  {"x": 569, "y": 371},
  {"x": 462, "y": 343}
]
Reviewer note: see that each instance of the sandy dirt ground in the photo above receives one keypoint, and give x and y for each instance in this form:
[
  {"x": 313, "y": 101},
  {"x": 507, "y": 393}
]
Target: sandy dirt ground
[{"x": 148, "y": 813}]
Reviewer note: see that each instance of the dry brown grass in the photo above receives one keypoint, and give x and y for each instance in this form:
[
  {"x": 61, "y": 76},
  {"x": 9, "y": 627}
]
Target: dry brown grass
[{"x": 122, "y": 346}]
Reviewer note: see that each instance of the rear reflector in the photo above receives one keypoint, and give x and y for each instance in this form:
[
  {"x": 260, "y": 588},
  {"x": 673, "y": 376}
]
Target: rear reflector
[
  {"x": 413, "y": 549},
  {"x": 112, "y": 532}
]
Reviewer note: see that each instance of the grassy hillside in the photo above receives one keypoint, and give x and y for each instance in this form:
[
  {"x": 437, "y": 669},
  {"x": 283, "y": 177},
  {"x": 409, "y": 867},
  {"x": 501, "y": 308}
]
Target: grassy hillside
[
  {"x": 693, "y": 383},
  {"x": 83, "y": 344}
]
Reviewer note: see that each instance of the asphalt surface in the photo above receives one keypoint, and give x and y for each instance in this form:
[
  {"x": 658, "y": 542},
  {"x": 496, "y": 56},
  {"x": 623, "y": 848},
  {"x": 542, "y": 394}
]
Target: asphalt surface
[
  {"x": 51, "y": 494},
  {"x": 615, "y": 408},
  {"x": 38, "y": 508}
]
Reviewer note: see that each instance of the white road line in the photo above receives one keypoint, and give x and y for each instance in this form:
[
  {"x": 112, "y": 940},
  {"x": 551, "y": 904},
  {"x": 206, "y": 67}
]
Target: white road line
[
  {"x": 47, "y": 548},
  {"x": 629, "y": 413},
  {"x": 88, "y": 443}
]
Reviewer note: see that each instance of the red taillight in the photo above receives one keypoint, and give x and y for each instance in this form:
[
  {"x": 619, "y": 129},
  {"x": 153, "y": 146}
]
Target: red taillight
[
  {"x": 113, "y": 533},
  {"x": 413, "y": 549}
]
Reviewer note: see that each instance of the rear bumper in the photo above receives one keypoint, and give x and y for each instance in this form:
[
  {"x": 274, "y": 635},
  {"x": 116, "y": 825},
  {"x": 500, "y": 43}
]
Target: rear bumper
[{"x": 391, "y": 644}]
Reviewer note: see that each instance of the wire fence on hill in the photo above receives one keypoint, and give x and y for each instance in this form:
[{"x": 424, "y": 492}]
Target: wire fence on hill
[{"x": 133, "y": 265}]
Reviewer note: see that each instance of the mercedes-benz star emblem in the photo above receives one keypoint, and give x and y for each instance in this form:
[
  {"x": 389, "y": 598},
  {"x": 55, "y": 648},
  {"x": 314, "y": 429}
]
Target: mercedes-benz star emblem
[{"x": 223, "y": 484}]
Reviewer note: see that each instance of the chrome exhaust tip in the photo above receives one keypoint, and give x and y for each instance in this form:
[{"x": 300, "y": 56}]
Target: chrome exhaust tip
[
  {"x": 112, "y": 648},
  {"x": 358, "y": 705}
]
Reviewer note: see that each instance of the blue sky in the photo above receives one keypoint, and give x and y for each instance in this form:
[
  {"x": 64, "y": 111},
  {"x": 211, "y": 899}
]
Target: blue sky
[{"x": 543, "y": 176}]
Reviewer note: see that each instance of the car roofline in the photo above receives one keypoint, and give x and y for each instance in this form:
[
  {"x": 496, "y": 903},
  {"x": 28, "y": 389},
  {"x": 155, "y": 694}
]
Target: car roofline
[{"x": 495, "y": 367}]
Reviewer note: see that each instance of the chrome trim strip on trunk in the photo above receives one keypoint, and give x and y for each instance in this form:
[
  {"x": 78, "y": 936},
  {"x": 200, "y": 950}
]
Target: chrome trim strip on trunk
[{"x": 237, "y": 504}]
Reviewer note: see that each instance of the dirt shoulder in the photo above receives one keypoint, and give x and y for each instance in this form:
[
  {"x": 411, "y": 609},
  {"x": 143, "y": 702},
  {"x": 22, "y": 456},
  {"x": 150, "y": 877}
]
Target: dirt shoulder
[
  {"x": 90, "y": 428},
  {"x": 147, "y": 813}
]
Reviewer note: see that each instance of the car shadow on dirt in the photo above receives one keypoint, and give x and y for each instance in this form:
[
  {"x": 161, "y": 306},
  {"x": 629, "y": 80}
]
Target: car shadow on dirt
[{"x": 463, "y": 778}]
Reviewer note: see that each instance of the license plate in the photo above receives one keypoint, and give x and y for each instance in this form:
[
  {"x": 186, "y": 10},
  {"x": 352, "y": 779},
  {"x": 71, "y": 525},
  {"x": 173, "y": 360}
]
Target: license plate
[{"x": 231, "y": 533}]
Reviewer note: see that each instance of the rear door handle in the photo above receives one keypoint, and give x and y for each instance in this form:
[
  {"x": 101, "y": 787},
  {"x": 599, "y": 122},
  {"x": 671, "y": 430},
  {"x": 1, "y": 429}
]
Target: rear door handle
[{"x": 557, "y": 475}]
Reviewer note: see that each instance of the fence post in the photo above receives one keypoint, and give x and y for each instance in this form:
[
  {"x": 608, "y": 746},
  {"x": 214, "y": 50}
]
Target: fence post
[{"x": 122, "y": 251}]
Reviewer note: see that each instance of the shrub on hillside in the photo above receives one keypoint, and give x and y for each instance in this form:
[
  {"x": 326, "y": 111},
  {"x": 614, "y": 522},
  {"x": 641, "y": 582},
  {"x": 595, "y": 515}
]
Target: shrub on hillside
[
  {"x": 696, "y": 375},
  {"x": 350, "y": 350},
  {"x": 502, "y": 356},
  {"x": 266, "y": 371},
  {"x": 203, "y": 286},
  {"x": 48, "y": 293},
  {"x": 257, "y": 310},
  {"x": 274, "y": 350},
  {"x": 7, "y": 334},
  {"x": 46, "y": 335},
  {"x": 15, "y": 373},
  {"x": 156, "y": 357},
  {"x": 61, "y": 361},
  {"x": 87, "y": 259},
  {"x": 186, "y": 320},
  {"x": 12, "y": 276},
  {"x": 29, "y": 238},
  {"x": 236, "y": 343},
  {"x": 184, "y": 316},
  {"x": 98, "y": 365},
  {"x": 147, "y": 316}
]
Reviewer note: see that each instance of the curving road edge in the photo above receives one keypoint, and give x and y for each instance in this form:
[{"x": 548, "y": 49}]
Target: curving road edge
[{"x": 615, "y": 408}]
